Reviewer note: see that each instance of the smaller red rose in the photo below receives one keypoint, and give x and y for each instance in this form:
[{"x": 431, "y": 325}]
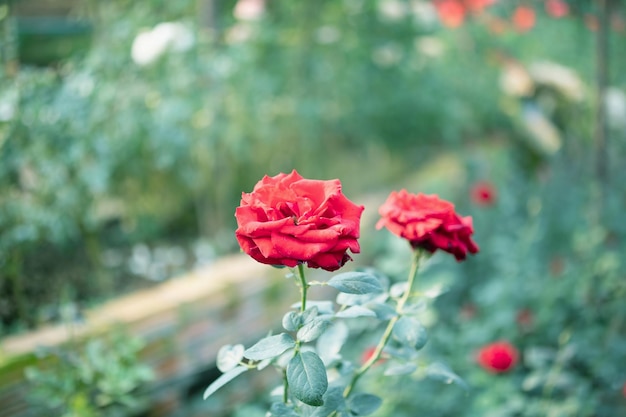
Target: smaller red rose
[
  {"x": 557, "y": 8},
  {"x": 428, "y": 222},
  {"x": 624, "y": 390},
  {"x": 524, "y": 18},
  {"x": 483, "y": 193},
  {"x": 451, "y": 12},
  {"x": 498, "y": 357}
]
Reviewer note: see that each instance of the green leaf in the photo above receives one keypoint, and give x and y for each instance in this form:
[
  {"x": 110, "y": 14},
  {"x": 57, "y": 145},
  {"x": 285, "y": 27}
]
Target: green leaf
[
  {"x": 400, "y": 369},
  {"x": 441, "y": 372},
  {"x": 282, "y": 410},
  {"x": 263, "y": 364},
  {"x": 323, "y": 307},
  {"x": 415, "y": 308},
  {"x": 229, "y": 356},
  {"x": 291, "y": 321},
  {"x": 331, "y": 341},
  {"x": 223, "y": 380},
  {"x": 312, "y": 330},
  {"x": 307, "y": 378},
  {"x": 356, "y": 311},
  {"x": 356, "y": 283},
  {"x": 270, "y": 347},
  {"x": 364, "y": 404},
  {"x": 383, "y": 311},
  {"x": 309, "y": 314},
  {"x": 410, "y": 332},
  {"x": 333, "y": 401}
]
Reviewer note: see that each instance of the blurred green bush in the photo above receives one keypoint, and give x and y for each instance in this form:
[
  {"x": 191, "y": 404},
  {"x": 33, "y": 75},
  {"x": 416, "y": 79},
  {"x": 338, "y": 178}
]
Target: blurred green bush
[
  {"x": 111, "y": 147},
  {"x": 153, "y": 132}
]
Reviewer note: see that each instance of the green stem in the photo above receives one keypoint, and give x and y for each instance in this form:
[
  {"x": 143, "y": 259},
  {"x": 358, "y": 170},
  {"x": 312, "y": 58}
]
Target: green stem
[
  {"x": 303, "y": 287},
  {"x": 387, "y": 333},
  {"x": 285, "y": 387},
  {"x": 303, "y": 290}
]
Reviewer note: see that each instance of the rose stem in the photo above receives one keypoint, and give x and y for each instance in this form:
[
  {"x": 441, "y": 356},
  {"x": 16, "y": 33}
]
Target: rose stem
[
  {"x": 285, "y": 387},
  {"x": 387, "y": 334},
  {"x": 303, "y": 287}
]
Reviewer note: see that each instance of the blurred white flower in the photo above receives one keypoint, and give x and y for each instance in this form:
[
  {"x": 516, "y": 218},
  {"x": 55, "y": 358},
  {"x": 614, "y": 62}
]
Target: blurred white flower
[
  {"x": 516, "y": 81},
  {"x": 543, "y": 135},
  {"x": 429, "y": 46},
  {"x": 249, "y": 9},
  {"x": 561, "y": 78},
  {"x": 387, "y": 55},
  {"x": 8, "y": 104},
  {"x": 149, "y": 45},
  {"x": 81, "y": 84},
  {"x": 327, "y": 34},
  {"x": 615, "y": 102},
  {"x": 238, "y": 33},
  {"x": 424, "y": 13},
  {"x": 392, "y": 10}
]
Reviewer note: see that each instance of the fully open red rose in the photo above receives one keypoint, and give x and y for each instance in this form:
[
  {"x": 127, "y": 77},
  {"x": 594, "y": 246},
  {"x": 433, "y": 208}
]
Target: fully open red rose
[
  {"x": 498, "y": 357},
  {"x": 428, "y": 222},
  {"x": 287, "y": 219}
]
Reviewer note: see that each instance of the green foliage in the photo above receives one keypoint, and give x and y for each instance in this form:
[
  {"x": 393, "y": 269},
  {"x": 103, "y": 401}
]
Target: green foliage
[
  {"x": 365, "y": 297},
  {"x": 105, "y": 151},
  {"x": 98, "y": 378},
  {"x": 306, "y": 378},
  {"x": 270, "y": 347},
  {"x": 547, "y": 281},
  {"x": 355, "y": 283}
]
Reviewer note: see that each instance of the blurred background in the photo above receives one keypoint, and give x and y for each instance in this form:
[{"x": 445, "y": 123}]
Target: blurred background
[{"x": 129, "y": 129}]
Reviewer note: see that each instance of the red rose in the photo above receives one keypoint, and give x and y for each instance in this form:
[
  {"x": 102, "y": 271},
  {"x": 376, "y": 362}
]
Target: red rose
[
  {"x": 498, "y": 357},
  {"x": 287, "y": 219},
  {"x": 524, "y": 18},
  {"x": 557, "y": 8},
  {"x": 427, "y": 222},
  {"x": 624, "y": 390},
  {"x": 483, "y": 193},
  {"x": 451, "y": 12}
]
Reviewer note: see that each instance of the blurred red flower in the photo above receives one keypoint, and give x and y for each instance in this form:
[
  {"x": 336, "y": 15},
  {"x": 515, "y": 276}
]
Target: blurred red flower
[
  {"x": 368, "y": 353},
  {"x": 624, "y": 390},
  {"x": 478, "y": 5},
  {"x": 498, "y": 357},
  {"x": 557, "y": 266},
  {"x": 524, "y": 18},
  {"x": 468, "y": 311},
  {"x": 428, "y": 222},
  {"x": 557, "y": 8},
  {"x": 617, "y": 23},
  {"x": 524, "y": 318},
  {"x": 591, "y": 22},
  {"x": 451, "y": 12},
  {"x": 483, "y": 193}
]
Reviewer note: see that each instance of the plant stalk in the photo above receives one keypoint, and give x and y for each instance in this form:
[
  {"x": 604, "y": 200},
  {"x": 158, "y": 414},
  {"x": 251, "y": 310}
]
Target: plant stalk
[
  {"x": 389, "y": 329},
  {"x": 303, "y": 287}
]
